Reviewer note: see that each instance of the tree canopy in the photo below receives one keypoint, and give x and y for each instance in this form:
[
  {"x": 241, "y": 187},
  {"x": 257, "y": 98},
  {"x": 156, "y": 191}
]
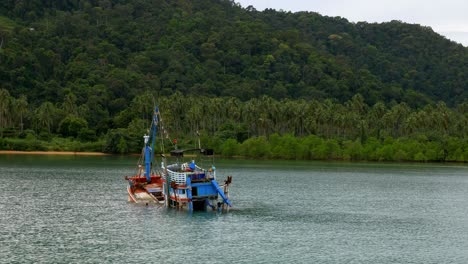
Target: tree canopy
[{"x": 113, "y": 50}]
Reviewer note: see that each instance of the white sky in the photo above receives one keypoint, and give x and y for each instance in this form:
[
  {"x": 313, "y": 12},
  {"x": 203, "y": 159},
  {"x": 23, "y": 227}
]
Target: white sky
[{"x": 449, "y": 18}]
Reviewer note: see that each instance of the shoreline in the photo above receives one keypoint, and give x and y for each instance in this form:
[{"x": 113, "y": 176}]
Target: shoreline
[
  {"x": 78, "y": 153},
  {"x": 69, "y": 153}
]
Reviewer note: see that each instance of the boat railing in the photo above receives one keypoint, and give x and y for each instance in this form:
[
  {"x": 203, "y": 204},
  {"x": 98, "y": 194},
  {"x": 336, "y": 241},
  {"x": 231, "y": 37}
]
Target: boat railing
[
  {"x": 181, "y": 177},
  {"x": 177, "y": 177}
]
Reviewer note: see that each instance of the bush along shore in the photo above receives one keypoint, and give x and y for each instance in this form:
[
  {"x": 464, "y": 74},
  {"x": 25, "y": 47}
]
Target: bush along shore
[{"x": 289, "y": 147}]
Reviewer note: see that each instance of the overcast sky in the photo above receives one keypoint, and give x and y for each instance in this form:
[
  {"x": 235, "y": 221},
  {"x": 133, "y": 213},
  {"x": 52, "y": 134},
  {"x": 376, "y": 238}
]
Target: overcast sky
[{"x": 448, "y": 18}]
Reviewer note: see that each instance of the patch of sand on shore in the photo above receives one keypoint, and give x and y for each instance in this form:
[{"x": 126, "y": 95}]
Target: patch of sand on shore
[{"x": 15, "y": 152}]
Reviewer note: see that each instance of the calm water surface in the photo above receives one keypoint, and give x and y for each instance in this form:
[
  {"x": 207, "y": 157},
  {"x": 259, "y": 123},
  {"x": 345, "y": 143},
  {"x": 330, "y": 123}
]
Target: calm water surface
[{"x": 57, "y": 209}]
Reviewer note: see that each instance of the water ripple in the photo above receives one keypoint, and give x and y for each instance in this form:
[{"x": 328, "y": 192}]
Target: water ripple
[{"x": 73, "y": 210}]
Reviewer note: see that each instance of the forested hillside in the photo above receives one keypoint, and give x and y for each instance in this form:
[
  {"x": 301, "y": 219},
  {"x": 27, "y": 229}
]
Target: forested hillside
[{"x": 86, "y": 69}]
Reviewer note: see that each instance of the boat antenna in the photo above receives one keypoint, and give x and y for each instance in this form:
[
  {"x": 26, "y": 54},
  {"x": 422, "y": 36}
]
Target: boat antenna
[
  {"x": 163, "y": 131},
  {"x": 154, "y": 125}
]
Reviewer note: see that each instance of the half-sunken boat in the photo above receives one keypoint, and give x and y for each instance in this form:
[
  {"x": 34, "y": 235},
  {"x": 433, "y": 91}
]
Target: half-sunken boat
[
  {"x": 146, "y": 186},
  {"x": 182, "y": 184}
]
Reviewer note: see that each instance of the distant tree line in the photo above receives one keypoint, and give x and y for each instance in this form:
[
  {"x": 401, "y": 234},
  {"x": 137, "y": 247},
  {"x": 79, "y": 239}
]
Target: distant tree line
[{"x": 258, "y": 128}]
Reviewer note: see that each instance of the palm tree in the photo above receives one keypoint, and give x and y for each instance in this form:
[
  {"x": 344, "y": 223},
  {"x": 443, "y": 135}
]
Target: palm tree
[
  {"x": 45, "y": 114},
  {"x": 5, "y": 103},
  {"x": 233, "y": 109},
  {"x": 444, "y": 115},
  {"x": 69, "y": 104},
  {"x": 21, "y": 106},
  {"x": 194, "y": 116},
  {"x": 375, "y": 117},
  {"x": 410, "y": 123},
  {"x": 250, "y": 116},
  {"x": 395, "y": 117}
]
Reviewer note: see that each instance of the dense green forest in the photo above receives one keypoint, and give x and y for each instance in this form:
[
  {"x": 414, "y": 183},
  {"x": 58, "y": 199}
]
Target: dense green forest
[{"x": 84, "y": 75}]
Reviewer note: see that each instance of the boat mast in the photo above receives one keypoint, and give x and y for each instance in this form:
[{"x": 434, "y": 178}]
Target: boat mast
[{"x": 149, "y": 150}]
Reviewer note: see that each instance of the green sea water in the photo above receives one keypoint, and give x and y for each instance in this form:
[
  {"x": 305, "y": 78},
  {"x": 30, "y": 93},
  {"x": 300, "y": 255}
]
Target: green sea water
[{"x": 68, "y": 209}]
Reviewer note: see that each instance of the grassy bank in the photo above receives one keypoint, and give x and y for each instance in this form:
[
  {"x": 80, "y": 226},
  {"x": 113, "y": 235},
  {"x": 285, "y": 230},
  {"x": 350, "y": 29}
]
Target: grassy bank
[
  {"x": 420, "y": 149},
  {"x": 287, "y": 147},
  {"x": 55, "y": 144},
  {"x": 16, "y": 152}
]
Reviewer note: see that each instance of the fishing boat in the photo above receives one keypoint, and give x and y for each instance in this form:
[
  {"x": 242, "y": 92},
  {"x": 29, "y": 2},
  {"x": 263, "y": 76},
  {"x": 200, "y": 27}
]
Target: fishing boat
[
  {"x": 182, "y": 184},
  {"x": 193, "y": 187},
  {"x": 146, "y": 186}
]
